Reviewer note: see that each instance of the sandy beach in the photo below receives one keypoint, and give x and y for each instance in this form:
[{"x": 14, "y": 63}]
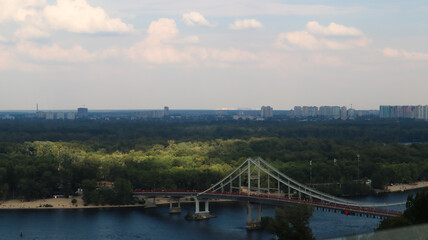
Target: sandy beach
[
  {"x": 403, "y": 187},
  {"x": 55, "y": 203}
]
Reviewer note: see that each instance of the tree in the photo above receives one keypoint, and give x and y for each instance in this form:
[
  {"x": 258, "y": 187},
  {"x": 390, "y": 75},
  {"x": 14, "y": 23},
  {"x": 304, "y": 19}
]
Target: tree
[
  {"x": 416, "y": 212},
  {"x": 417, "y": 208},
  {"x": 380, "y": 179},
  {"x": 123, "y": 191},
  {"x": 393, "y": 222},
  {"x": 291, "y": 223}
]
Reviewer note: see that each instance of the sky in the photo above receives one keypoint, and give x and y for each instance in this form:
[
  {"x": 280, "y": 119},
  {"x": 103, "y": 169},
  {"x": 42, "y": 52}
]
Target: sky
[{"x": 223, "y": 54}]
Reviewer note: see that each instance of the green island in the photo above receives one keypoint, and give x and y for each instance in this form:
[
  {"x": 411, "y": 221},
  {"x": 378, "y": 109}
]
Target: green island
[{"x": 39, "y": 159}]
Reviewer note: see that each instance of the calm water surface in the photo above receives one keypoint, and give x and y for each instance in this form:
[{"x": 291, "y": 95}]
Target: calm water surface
[{"x": 156, "y": 223}]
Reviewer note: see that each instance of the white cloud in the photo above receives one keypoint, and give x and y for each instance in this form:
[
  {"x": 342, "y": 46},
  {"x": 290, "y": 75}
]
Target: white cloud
[
  {"x": 79, "y": 17},
  {"x": 302, "y": 39},
  {"x": 317, "y": 37},
  {"x": 343, "y": 45},
  {"x": 163, "y": 45},
  {"x": 161, "y": 30},
  {"x": 30, "y": 32},
  {"x": 18, "y": 10},
  {"x": 155, "y": 47},
  {"x": 237, "y": 8},
  {"x": 55, "y": 53},
  {"x": 245, "y": 24},
  {"x": 196, "y": 19},
  {"x": 389, "y": 52},
  {"x": 332, "y": 29},
  {"x": 37, "y": 18},
  {"x": 280, "y": 41},
  {"x": 399, "y": 53},
  {"x": 159, "y": 54},
  {"x": 10, "y": 60}
]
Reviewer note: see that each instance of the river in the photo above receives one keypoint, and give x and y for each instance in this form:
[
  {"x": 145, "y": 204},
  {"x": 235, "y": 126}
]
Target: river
[{"x": 157, "y": 223}]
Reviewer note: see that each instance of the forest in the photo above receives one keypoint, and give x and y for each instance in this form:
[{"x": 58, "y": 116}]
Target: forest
[{"x": 42, "y": 158}]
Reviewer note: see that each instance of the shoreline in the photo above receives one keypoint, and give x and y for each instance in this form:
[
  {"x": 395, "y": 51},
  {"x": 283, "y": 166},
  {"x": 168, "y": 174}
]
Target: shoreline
[
  {"x": 403, "y": 187},
  {"x": 55, "y": 203},
  {"x": 65, "y": 204}
]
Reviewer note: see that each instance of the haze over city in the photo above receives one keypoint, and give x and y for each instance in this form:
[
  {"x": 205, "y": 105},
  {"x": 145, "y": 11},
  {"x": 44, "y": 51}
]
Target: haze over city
[{"x": 108, "y": 54}]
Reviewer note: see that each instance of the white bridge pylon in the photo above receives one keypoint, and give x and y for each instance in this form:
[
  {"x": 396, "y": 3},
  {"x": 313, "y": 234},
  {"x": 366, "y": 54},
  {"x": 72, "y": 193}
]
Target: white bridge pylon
[{"x": 256, "y": 177}]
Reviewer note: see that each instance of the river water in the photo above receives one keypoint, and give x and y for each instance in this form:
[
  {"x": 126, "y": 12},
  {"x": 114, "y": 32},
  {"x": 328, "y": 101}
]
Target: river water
[{"x": 157, "y": 223}]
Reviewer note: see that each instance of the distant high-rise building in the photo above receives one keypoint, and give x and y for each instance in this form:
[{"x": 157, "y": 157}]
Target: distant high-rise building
[
  {"x": 49, "y": 116},
  {"x": 305, "y": 111},
  {"x": 325, "y": 111},
  {"x": 329, "y": 111},
  {"x": 351, "y": 113},
  {"x": 70, "y": 116},
  {"x": 385, "y": 111},
  {"x": 82, "y": 112},
  {"x": 40, "y": 114},
  {"x": 417, "y": 112},
  {"x": 343, "y": 113},
  {"x": 421, "y": 112},
  {"x": 266, "y": 112},
  {"x": 309, "y": 111},
  {"x": 59, "y": 115},
  {"x": 298, "y": 111},
  {"x": 166, "y": 111},
  {"x": 312, "y": 111},
  {"x": 335, "y": 110}
]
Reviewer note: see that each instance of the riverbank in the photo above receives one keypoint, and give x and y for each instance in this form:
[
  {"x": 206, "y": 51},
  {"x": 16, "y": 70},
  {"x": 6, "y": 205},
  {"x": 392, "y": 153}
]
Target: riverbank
[
  {"x": 404, "y": 187},
  {"x": 65, "y": 203},
  {"x": 56, "y": 203}
]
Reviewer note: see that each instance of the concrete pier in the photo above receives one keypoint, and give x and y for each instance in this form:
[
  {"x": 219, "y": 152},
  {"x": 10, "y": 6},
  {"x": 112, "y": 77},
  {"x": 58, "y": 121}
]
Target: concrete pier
[
  {"x": 150, "y": 204},
  {"x": 174, "y": 209},
  {"x": 251, "y": 223},
  {"x": 201, "y": 215}
]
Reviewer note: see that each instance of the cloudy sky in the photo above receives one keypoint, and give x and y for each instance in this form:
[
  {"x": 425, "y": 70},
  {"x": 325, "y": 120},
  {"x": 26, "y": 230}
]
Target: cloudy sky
[{"x": 188, "y": 54}]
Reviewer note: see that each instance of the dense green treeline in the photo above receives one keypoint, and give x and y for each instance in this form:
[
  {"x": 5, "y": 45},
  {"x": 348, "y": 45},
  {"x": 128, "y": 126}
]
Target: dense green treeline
[
  {"x": 140, "y": 135},
  {"x": 41, "y": 168},
  {"x": 119, "y": 194}
]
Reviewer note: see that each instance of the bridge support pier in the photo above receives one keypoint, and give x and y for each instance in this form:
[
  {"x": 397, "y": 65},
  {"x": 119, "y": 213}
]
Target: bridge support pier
[
  {"x": 201, "y": 215},
  {"x": 150, "y": 204},
  {"x": 254, "y": 224},
  {"x": 172, "y": 209}
]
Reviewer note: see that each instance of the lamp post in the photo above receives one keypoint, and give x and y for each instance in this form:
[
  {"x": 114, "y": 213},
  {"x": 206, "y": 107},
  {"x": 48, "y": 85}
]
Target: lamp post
[{"x": 358, "y": 162}]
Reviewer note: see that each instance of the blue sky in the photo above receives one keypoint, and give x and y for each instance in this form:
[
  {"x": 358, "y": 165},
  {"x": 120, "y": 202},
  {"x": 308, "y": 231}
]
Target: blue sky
[{"x": 109, "y": 54}]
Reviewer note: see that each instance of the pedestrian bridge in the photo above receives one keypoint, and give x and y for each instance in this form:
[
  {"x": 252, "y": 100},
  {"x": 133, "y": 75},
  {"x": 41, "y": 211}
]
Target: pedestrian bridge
[{"x": 257, "y": 182}]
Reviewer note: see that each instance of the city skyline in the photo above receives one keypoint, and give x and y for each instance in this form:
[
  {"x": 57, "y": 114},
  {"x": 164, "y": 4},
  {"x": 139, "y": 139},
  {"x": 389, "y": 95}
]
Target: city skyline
[
  {"x": 309, "y": 108},
  {"x": 212, "y": 55}
]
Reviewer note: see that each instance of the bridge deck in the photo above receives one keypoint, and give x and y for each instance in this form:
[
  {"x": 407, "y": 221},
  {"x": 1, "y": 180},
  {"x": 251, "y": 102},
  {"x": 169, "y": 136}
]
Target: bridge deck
[{"x": 270, "y": 199}]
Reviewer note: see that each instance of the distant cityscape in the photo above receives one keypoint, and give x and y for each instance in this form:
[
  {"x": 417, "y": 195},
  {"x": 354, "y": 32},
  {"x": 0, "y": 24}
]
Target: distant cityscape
[{"x": 418, "y": 112}]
